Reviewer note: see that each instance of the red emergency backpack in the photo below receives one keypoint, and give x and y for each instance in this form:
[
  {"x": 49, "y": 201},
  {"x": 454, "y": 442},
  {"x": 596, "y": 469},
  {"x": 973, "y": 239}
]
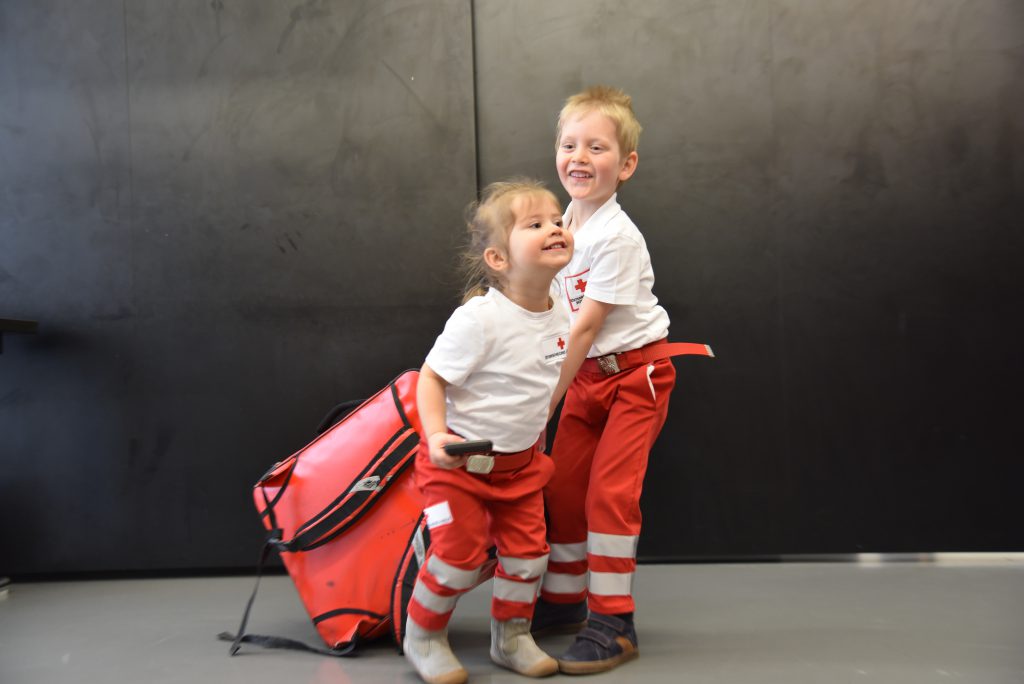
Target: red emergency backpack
[{"x": 347, "y": 519}]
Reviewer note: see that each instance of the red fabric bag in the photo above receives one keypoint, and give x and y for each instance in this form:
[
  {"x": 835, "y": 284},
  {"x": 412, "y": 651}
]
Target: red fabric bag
[{"x": 343, "y": 513}]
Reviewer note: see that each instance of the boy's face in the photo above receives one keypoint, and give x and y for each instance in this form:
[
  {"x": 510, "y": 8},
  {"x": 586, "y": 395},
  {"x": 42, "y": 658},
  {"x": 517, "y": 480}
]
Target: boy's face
[{"x": 589, "y": 162}]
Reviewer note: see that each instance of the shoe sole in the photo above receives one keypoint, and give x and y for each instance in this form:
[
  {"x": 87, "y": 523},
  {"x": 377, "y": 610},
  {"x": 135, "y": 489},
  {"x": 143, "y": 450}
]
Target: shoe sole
[
  {"x": 456, "y": 677},
  {"x": 584, "y": 667},
  {"x": 563, "y": 628},
  {"x": 541, "y": 669}
]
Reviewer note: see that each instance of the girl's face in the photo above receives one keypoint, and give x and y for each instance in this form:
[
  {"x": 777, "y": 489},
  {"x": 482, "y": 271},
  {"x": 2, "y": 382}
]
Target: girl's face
[{"x": 538, "y": 245}]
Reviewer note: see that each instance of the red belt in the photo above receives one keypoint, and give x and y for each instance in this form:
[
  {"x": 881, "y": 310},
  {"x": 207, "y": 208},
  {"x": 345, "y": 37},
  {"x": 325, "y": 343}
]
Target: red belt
[
  {"x": 497, "y": 462},
  {"x": 655, "y": 351}
]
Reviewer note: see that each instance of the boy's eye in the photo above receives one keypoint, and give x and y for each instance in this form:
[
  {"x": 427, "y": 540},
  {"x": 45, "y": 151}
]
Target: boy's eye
[
  {"x": 558, "y": 222},
  {"x": 535, "y": 224}
]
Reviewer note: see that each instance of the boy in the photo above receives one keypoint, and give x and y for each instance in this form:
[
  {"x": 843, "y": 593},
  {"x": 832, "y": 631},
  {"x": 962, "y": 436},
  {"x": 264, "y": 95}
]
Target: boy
[{"x": 619, "y": 379}]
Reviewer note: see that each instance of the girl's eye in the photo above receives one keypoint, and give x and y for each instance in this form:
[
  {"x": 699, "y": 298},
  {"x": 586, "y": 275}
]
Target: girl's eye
[
  {"x": 558, "y": 223},
  {"x": 535, "y": 224}
]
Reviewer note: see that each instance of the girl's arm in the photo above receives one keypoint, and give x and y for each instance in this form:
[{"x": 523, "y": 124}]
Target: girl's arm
[
  {"x": 431, "y": 407},
  {"x": 581, "y": 339}
]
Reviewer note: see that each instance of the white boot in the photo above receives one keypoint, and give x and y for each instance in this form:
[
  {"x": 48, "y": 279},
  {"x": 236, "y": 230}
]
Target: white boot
[
  {"x": 431, "y": 655},
  {"x": 513, "y": 647}
]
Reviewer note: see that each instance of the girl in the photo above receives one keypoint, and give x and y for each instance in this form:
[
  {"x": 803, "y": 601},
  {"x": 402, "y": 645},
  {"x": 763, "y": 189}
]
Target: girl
[{"x": 490, "y": 375}]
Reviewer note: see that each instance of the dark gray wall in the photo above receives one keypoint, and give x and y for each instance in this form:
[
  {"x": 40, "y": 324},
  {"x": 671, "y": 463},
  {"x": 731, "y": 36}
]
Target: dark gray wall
[
  {"x": 832, "y": 194},
  {"x": 228, "y": 216}
]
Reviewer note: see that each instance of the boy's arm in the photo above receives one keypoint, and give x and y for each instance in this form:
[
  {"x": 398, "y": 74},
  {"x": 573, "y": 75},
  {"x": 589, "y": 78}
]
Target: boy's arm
[
  {"x": 433, "y": 417},
  {"x": 581, "y": 339}
]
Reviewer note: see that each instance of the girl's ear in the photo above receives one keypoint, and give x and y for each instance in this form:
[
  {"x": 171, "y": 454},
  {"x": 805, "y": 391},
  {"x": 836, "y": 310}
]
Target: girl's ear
[{"x": 495, "y": 259}]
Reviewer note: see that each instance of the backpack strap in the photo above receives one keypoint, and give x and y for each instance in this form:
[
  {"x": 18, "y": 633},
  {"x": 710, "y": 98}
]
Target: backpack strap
[
  {"x": 273, "y": 641},
  {"x": 405, "y": 578}
]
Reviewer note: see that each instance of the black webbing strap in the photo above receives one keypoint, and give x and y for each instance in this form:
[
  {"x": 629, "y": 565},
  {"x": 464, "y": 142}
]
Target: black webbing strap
[
  {"x": 373, "y": 467},
  {"x": 347, "y": 611},
  {"x": 292, "y": 644},
  {"x": 351, "y": 505},
  {"x": 398, "y": 404},
  {"x": 337, "y": 413},
  {"x": 274, "y": 537},
  {"x": 405, "y": 580},
  {"x": 269, "y": 509}
]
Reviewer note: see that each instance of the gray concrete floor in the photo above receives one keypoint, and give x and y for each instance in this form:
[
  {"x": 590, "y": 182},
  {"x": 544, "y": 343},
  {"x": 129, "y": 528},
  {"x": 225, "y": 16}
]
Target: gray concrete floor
[{"x": 766, "y": 623}]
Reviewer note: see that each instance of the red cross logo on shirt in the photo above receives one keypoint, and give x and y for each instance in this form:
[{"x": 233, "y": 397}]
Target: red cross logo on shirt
[
  {"x": 581, "y": 285},
  {"x": 561, "y": 343}
]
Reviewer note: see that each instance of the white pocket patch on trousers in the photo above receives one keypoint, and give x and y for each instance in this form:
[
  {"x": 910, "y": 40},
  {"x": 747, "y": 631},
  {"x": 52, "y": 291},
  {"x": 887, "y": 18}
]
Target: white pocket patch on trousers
[
  {"x": 438, "y": 514},
  {"x": 650, "y": 369}
]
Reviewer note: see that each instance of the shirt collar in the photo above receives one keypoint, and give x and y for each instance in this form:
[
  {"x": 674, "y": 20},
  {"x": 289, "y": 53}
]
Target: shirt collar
[{"x": 600, "y": 217}]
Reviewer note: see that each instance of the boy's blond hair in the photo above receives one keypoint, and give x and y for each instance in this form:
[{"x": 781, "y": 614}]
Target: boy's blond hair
[{"x": 613, "y": 103}]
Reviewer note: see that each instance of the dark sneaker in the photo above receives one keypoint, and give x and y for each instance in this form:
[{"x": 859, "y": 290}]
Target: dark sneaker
[
  {"x": 558, "y": 618},
  {"x": 607, "y": 642}
]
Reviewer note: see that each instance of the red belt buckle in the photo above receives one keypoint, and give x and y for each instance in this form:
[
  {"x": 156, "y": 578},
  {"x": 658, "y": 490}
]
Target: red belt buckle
[{"x": 609, "y": 365}]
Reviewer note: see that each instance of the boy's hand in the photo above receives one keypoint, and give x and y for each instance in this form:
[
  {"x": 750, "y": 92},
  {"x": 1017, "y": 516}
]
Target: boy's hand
[{"x": 438, "y": 456}]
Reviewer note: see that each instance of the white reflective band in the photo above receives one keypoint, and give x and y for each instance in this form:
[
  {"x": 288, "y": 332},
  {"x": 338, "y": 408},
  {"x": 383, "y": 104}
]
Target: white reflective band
[
  {"x": 524, "y": 568},
  {"x": 559, "y": 583},
  {"x": 521, "y": 592},
  {"x": 569, "y": 553},
  {"x": 612, "y": 545},
  {"x": 611, "y": 583},
  {"x": 451, "y": 576},
  {"x": 433, "y": 602}
]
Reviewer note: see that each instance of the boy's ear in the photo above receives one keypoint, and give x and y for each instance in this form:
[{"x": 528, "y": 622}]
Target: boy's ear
[
  {"x": 629, "y": 166},
  {"x": 495, "y": 259}
]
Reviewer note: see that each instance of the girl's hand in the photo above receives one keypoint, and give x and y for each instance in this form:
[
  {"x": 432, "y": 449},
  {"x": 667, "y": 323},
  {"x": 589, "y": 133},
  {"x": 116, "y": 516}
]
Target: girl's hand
[{"x": 438, "y": 456}]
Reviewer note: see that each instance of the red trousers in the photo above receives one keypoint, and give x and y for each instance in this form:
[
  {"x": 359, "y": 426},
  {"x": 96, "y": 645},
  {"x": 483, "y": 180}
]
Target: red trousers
[
  {"x": 606, "y": 431},
  {"x": 468, "y": 513}
]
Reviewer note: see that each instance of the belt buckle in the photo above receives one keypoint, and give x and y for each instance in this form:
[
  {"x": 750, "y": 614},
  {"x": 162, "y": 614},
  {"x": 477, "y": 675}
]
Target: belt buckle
[
  {"x": 481, "y": 464},
  {"x": 609, "y": 365}
]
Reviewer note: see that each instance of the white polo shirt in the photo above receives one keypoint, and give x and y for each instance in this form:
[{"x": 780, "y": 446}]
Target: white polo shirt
[
  {"x": 502, "y": 363},
  {"x": 610, "y": 264}
]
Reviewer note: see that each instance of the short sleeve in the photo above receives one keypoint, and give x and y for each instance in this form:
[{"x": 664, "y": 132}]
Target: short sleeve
[
  {"x": 458, "y": 350},
  {"x": 614, "y": 276}
]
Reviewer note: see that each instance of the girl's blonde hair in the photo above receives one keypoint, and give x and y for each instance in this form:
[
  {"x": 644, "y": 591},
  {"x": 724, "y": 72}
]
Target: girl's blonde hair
[
  {"x": 489, "y": 222},
  {"x": 613, "y": 103}
]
